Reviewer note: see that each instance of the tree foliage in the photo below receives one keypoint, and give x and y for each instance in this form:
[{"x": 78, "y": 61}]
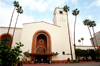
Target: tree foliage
[
  {"x": 9, "y": 56},
  {"x": 86, "y": 53}
]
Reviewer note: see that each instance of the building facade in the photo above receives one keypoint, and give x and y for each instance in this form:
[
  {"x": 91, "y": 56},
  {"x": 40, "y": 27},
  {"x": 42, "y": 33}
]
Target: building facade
[
  {"x": 97, "y": 36},
  {"x": 45, "y": 40}
]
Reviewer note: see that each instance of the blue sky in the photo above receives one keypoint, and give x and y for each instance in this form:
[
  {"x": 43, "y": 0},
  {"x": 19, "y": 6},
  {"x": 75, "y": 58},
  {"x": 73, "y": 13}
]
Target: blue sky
[{"x": 42, "y": 10}]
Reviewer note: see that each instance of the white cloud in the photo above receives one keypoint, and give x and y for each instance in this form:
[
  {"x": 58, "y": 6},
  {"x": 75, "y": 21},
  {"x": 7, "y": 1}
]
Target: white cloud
[
  {"x": 95, "y": 3},
  {"x": 89, "y": 17},
  {"x": 42, "y": 5},
  {"x": 74, "y": 1},
  {"x": 5, "y": 16},
  {"x": 97, "y": 27}
]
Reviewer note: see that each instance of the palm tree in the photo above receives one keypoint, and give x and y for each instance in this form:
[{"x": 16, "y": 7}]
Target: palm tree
[
  {"x": 79, "y": 41},
  {"x": 82, "y": 40},
  {"x": 75, "y": 13},
  {"x": 66, "y": 9},
  {"x": 93, "y": 24},
  {"x": 16, "y": 4},
  {"x": 86, "y": 22},
  {"x": 19, "y": 11}
]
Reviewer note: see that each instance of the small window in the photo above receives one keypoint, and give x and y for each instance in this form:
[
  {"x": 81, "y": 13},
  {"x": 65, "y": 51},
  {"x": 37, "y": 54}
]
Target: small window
[
  {"x": 61, "y": 12},
  {"x": 41, "y": 41},
  {"x": 63, "y": 52}
]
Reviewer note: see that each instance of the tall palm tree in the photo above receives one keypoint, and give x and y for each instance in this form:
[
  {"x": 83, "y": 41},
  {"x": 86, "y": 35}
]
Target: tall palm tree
[
  {"x": 82, "y": 40},
  {"x": 79, "y": 41},
  {"x": 16, "y": 4},
  {"x": 66, "y": 9},
  {"x": 19, "y": 11},
  {"x": 75, "y": 12},
  {"x": 86, "y": 22},
  {"x": 93, "y": 24}
]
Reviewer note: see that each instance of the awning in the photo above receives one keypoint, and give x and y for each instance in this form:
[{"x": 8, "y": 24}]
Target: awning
[{"x": 49, "y": 54}]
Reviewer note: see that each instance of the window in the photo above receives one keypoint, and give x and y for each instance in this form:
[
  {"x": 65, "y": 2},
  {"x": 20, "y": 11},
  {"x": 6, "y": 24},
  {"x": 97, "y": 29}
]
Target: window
[
  {"x": 61, "y": 12},
  {"x": 63, "y": 52},
  {"x": 41, "y": 41}
]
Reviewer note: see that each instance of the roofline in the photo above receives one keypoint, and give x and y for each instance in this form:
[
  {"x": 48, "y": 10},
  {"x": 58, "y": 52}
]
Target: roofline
[
  {"x": 84, "y": 46},
  {"x": 10, "y": 27},
  {"x": 41, "y": 22}
]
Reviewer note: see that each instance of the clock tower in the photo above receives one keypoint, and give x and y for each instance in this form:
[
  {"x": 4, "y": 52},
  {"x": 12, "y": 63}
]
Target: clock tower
[{"x": 60, "y": 17}]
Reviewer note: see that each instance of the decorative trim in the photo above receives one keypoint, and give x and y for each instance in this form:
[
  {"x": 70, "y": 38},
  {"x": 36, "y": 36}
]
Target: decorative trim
[
  {"x": 39, "y": 47},
  {"x": 33, "y": 43},
  {"x": 41, "y": 22},
  {"x": 47, "y": 42},
  {"x": 34, "y": 36}
]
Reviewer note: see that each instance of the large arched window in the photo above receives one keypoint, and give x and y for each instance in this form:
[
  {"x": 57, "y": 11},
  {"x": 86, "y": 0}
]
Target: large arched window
[{"x": 6, "y": 38}]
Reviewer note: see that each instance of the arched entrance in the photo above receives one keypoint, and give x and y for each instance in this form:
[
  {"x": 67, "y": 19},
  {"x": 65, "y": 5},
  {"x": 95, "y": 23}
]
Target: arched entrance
[
  {"x": 6, "y": 38},
  {"x": 41, "y": 46}
]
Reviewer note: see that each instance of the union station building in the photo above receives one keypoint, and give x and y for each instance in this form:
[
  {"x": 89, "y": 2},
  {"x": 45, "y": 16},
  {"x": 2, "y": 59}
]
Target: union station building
[{"x": 45, "y": 40}]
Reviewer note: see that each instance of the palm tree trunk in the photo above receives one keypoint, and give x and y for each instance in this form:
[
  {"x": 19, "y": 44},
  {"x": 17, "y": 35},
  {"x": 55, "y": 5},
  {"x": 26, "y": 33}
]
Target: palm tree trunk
[
  {"x": 80, "y": 43},
  {"x": 10, "y": 24},
  {"x": 74, "y": 37},
  {"x": 95, "y": 42},
  {"x": 74, "y": 28},
  {"x": 92, "y": 42},
  {"x": 95, "y": 37},
  {"x": 69, "y": 38},
  {"x": 11, "y": 21},
  {"x": 15, "y": 25},
  {"x": 91, "y": 38}
]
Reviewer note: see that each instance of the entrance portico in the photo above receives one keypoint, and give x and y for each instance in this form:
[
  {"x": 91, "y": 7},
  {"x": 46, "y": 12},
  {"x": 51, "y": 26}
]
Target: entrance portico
[{"x": 41, "y": 46}]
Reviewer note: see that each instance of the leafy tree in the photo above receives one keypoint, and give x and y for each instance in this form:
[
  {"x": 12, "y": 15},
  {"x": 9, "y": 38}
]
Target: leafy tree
[
  {"x": 75, "y": 12},
  {"x": 9, "y": 56},
  {"x": 78, "y": 53},
  {"x": 66, "y": 9},
  {"x": 19, "y": 11},
  {"x": 92, "y": 54}
]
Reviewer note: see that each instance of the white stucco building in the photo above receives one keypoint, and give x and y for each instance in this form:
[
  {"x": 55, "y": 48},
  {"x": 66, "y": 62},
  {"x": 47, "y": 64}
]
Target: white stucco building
[{"x": 45, "y": 40}]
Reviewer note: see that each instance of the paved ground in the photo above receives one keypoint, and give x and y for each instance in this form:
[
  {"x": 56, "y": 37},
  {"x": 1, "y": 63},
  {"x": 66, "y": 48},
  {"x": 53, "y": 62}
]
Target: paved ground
[{"x": 71, "y": 64}]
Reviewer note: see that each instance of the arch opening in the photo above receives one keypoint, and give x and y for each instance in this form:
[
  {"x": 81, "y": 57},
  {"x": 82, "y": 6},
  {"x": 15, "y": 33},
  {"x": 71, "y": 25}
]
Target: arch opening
[{"x": 7, "y": 39}]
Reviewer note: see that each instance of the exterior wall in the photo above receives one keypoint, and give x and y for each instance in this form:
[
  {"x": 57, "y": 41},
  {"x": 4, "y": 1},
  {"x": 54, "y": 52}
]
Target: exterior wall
[
  {"x": 17, "y": 35},
  {"x": 30, "y": 29}
]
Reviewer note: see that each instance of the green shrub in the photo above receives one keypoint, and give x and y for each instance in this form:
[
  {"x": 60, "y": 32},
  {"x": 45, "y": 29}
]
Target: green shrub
[{"x": 9, "y": 56}]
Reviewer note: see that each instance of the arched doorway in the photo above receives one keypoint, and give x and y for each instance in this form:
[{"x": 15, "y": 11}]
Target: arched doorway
[{"x": 41, "y": 46}]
